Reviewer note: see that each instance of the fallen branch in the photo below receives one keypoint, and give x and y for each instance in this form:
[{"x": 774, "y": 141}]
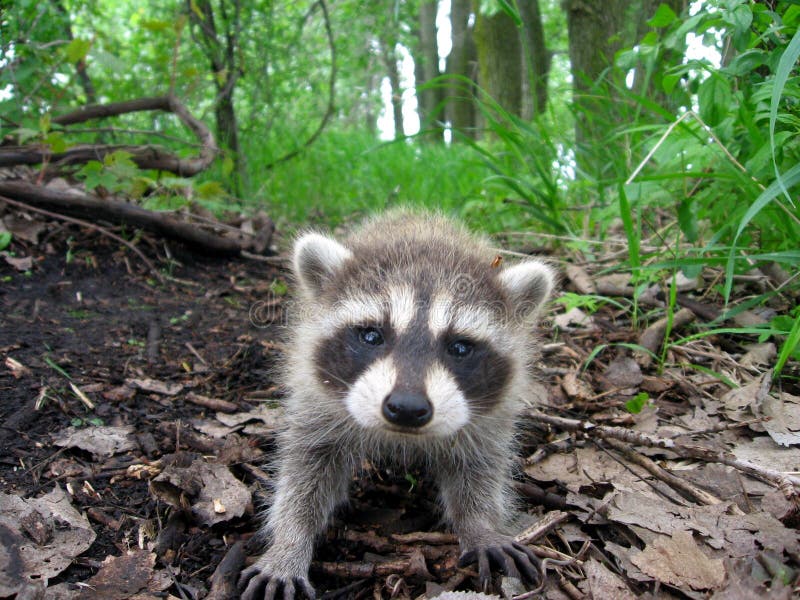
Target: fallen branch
[
  {"x": 166, "y": 224},
  {"x": 83, "y": 223},
  {"x": 785, "y": 482},
  {"x": 145, "y": 156}
]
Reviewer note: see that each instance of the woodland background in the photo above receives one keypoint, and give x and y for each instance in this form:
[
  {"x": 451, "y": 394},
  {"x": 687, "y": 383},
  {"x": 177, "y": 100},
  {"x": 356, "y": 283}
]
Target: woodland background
[
  {"x": 649, "y": 149},
  {"x": 672, "y": 124}
]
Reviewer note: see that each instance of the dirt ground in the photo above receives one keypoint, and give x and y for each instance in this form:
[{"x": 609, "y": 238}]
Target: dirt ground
[{"x": 89, "y": 338}]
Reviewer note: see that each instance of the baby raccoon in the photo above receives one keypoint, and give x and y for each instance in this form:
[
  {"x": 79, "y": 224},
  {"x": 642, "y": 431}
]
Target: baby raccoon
[{"x": 412, "y": 346}]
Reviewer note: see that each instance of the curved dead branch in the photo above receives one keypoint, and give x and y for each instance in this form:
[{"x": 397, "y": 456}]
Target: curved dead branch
[{"x": 145, "y": 156}]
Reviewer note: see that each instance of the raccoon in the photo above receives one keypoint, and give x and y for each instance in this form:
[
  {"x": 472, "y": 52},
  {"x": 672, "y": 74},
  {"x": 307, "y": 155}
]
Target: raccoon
[{"x": 411, "y": 346}]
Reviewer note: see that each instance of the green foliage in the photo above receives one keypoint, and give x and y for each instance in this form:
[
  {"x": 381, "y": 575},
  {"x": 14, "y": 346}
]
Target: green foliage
[
  {"x": 636, "y": 404},
  {"x": 5, "y": 240}
]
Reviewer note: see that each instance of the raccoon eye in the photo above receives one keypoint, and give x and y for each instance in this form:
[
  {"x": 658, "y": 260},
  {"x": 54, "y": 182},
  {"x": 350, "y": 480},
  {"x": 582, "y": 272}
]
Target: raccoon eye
[
  {"x": 460, "y": 349},
  {"x": 371, "y": 336}
]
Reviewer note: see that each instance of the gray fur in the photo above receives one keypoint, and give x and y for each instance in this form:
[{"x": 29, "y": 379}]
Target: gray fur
[{"x": 322, "y": 444}]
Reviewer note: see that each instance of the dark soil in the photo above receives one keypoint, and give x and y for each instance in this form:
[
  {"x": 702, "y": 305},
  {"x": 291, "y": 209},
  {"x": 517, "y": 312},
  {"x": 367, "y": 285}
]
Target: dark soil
[
  {"x": 89, "y": 316},
  {"x": 88, "y": 313}
]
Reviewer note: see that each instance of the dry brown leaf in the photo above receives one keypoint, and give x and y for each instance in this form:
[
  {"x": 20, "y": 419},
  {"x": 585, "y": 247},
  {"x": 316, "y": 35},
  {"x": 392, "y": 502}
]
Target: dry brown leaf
[
  {"x": 600, "y": 582},
  {"x": 764, "y": 452},
  {"x": 153, "y": 385},
  {"x": 623, "y": 372},
  {"x": 203, "y": 487},
  {"x": 268, "y": 413},
  {"x": 126, "y": 577},
  {"x": 783, "y": 424},
  {"x": 101, "y": 440},
  {"x": 580, "y": 279},
  {"x": 572, "y": 319},
  {"x": 678, "y": 561},
  {"x": 22, "y": 560},
  {"x": 24, "y": 263},
  {"x": 758, "y": 355},
  {"x": 576, "y": 388}
]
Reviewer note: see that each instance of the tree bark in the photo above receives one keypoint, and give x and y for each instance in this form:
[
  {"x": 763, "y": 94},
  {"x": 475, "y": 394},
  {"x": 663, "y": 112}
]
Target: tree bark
[
  {"x": 390, "y": 60},
  {"x": 596, "y": 32},
  {"x": 80, "y": 64},
  {"x": 461, "y": 69},
  {"x": 430, "y": 95},
  {"x": 536, "y": 59},
  {"x": 500, "y": 60},
  {"x": 225, "y": 70}
]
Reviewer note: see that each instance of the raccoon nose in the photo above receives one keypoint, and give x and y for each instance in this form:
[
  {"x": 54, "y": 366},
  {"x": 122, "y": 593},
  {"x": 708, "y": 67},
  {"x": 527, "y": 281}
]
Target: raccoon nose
[{"x": 407, "y": 409}]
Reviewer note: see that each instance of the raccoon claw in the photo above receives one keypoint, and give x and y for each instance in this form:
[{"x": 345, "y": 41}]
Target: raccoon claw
[
  {"x": 256, "y": 578},
  {"x": 509, "y": 557}
]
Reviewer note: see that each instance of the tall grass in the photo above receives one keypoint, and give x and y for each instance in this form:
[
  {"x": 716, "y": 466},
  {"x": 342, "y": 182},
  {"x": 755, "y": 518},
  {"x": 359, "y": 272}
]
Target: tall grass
[{"x": 346, "y": 174}]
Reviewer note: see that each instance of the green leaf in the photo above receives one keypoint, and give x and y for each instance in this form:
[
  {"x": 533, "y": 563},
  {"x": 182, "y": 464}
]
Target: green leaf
[
  {"x": 77, "y": 50},
  {"x": 741, "y": 18},
  {"x": 278, "y": 287},
  {"x": 715, "y": 98},
  {"x": 56, "y": 141},
  {"x": 626, "y": 214},
  {"x": 156, "y": 25},
  {"x": 5, "y": 240},
  {"x": 688, "y": 220},
  {"x": 668, "y": 82},
  {"x": 664, "y": 17},
  {"x": 209, "y": 190},
  {"x": 227, "y": 165},
  {"x": 25, "y": 134},
  {"x": 637, "y": 403}
]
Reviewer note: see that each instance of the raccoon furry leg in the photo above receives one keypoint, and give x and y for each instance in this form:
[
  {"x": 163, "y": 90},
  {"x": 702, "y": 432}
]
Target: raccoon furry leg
[{"x": 312, "y": 482}]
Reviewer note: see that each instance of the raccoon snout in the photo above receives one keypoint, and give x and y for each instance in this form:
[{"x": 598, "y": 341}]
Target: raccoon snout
[{"x": 407, "y": 409}]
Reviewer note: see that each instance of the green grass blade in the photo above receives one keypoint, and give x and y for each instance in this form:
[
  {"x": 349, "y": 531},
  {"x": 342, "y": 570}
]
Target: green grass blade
[
  {"x": 791, "y": 177},
  {"x": 788, "y": 346},
  {"x": 785, "y": 66},
  {"x": 630, "y": 232}
]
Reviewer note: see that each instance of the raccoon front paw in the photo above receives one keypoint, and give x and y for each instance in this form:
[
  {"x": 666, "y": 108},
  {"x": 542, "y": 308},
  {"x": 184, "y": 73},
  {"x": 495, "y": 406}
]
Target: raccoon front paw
[
  {"x": 264, "y": 584},
  {"x": 506, "y": 555}
]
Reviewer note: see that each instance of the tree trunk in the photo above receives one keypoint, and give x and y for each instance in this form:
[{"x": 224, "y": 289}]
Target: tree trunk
[
  {"x": 427, "y": 69},
  {"x": 80, "y": 65},
  {"x": 225, "y": 70},
  {"x": 536, "y": 59},
  {"x": 461, "y": 65},
  {"x": 500, "y": 60},
  {"x": 596, "y": 32},
  {"x": 390, "y": 61}
]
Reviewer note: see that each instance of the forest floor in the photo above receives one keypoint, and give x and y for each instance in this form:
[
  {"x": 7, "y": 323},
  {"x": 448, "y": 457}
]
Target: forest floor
[{"x": 136, "y": 415}]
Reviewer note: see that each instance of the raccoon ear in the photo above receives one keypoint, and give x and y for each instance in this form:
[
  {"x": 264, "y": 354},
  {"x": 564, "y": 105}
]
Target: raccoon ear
[
  {"x": 528, "y": 284},
  {"x": 316, "y": 259}
]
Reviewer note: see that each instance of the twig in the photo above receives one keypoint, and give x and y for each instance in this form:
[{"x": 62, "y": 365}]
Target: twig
[
  {"x": 785, "y": 482},
  {"x": 700, "y": 495},
  {"x": 97, "y": 228},
  {"x": 542, "y": 526}
]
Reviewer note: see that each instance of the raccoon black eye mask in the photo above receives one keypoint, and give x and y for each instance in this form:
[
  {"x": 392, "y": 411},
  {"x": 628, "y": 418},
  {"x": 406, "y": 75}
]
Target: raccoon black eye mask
[{"x": 409, "y": 342}]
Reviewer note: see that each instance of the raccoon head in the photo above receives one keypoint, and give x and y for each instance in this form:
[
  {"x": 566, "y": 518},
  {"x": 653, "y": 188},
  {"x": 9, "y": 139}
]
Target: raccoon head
[{"x": 402, "y": 347}]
